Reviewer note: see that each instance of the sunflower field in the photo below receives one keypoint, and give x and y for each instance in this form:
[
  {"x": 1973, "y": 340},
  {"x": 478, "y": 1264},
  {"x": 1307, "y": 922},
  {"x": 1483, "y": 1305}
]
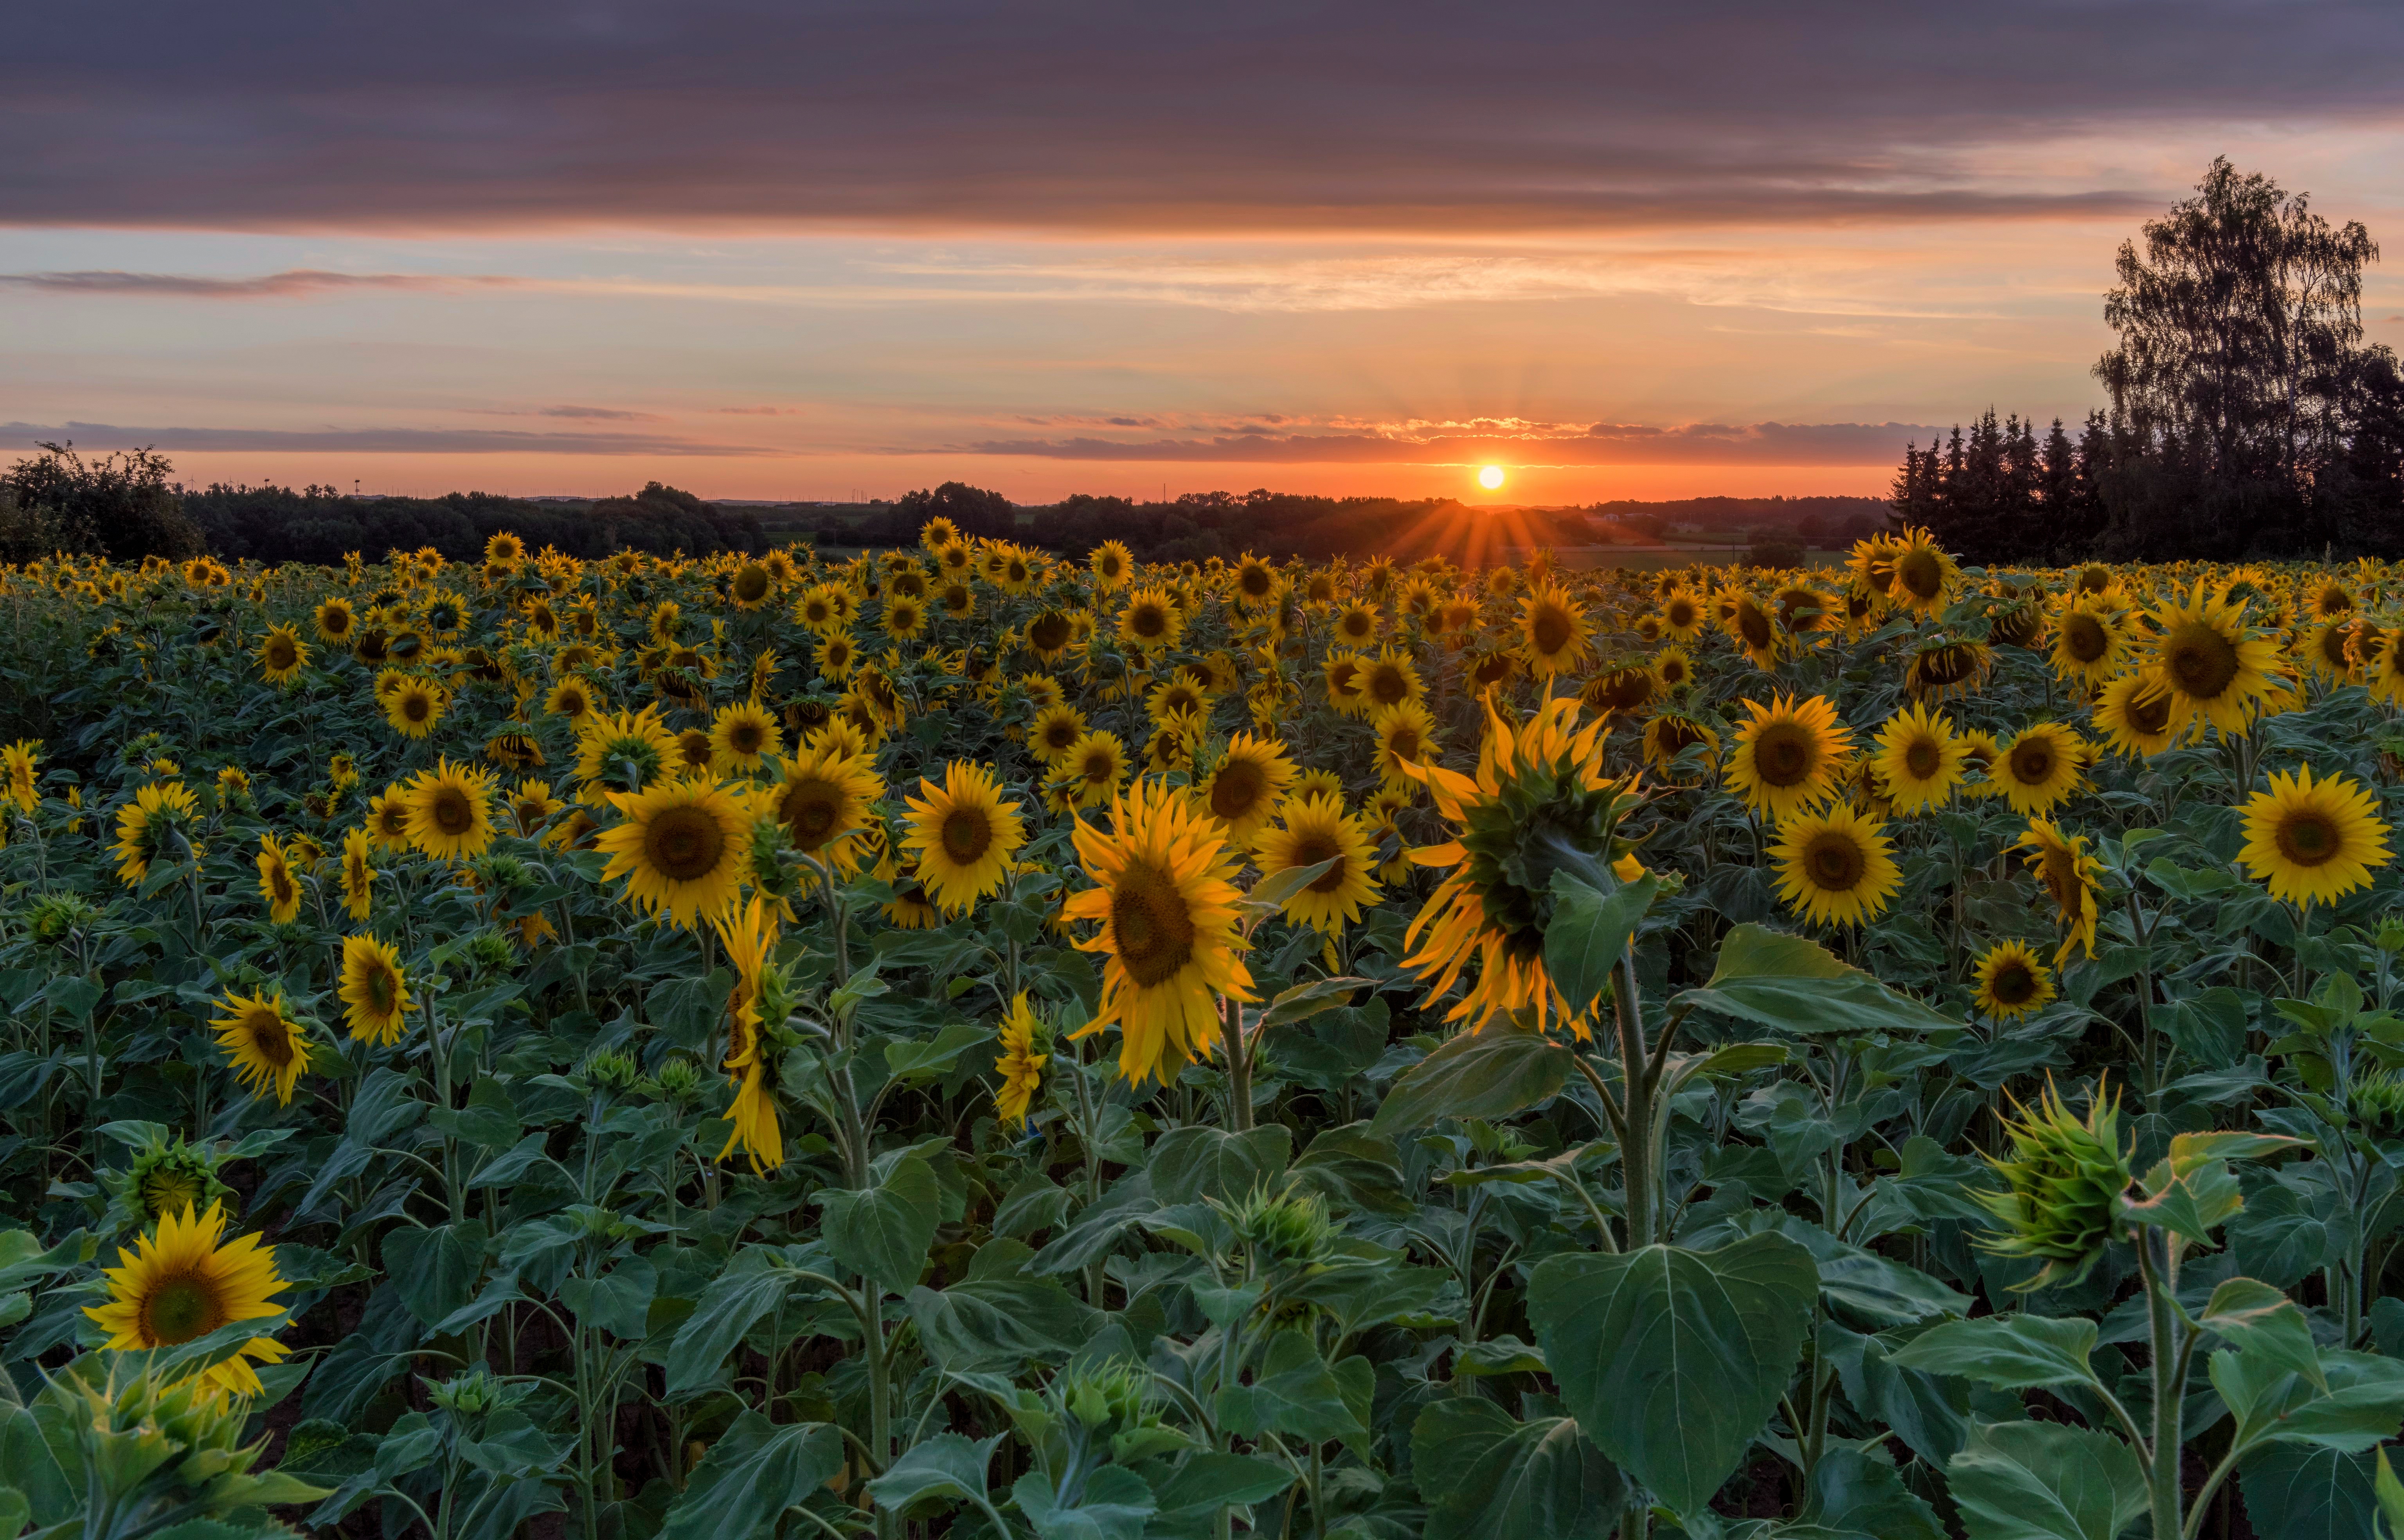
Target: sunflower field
[{"x": 956, "y": 1043}]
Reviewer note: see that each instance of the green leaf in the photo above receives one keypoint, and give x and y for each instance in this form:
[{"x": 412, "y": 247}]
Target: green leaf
[
  {"x": 1308, "y": 999},
  {"x": 945, "y": 1468},
  {"x": 2012, "y": 1352},
  {"x": 1000, "y": 1325},
  {"x": 909, "y": 1059},
  {"x": 1489, "y": 1074},
  {"x": 751, "y": 1286},
  {"x": 2046, "y": 1481},
  {"x": 1300, "y": 1393},
  {"x": 618, "y": 1303},
  {"x": 1672, "y": 1360},
  {"x": 751, "y": 1475},
  {"x": 884, "y": 1231},
  {"x": 1588, "y": 932},
  {"x": 2255, "y": 1318},
  {"x": 1486, "y": 1475},
  {"x": 1113, "y": 1507},
  {"x": 1859, "y": 1491},
  {"x": 2298, "y": 1492},
  {"x": 1786, "y": 982},
  {"x": 1211, "y": 1481},
  {"x": 1197, "y": 1161},
  {"x": 1276, "y": 889},
  {"x": 435, "y": 1269}
]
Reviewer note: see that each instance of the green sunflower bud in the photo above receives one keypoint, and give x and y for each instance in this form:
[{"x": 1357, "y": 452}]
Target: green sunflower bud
[
  {"x": 2378, "y": 1105},
  {"x": 1282, "y": 1230},
  {"x": 2063, "y": 1188}
]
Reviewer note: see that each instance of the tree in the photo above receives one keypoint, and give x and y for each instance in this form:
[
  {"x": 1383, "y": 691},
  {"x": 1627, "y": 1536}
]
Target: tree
[
  {"x": 119, "y": 506},
  {"x": 973, "y": 509}
]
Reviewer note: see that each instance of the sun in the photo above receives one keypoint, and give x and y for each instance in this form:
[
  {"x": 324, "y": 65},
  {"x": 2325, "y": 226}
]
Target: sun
[{"x": 1490, "y": 478}]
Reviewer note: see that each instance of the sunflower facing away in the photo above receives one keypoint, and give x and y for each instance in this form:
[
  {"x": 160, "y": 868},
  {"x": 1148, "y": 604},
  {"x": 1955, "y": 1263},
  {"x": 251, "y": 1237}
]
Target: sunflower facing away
[
  {"x": 963, "y": 834},
  {"x": 1790, "y": 755},
  {"x": 276, "y": 884},
  {"x": 144, "y": 824},
  {"x": 2011, "y": 982},
  {"x": 2039, "y": 769},
  {"x": 1020, "y": 1066},
  {"x": 2073, "y": 879},
  {"x": 1540, "y": 789},
  {"x": 1168, "y": 913},
  {"x": 2213, "y": 660},
  {"x": 619, "y": 752},
  {"x": 374, "y": 996},
  {"x": 1243, "y": 789},
  {"x": 1919, "y": 758},
  {"x": 1836, "y": 867},
  {"x": 2314, "y": 842},
  {"x": 682, "y": 845},
  {"x": 451, "y": 811},
  {"x": 183, "y": 1281},
  {"x": 1317, "y": 829},
  {"x": 267, "y": 1050}
]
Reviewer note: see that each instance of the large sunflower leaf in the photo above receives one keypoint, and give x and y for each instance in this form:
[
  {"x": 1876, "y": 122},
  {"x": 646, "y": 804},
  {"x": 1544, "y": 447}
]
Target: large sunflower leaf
[{"x": 1797, "y": 985}]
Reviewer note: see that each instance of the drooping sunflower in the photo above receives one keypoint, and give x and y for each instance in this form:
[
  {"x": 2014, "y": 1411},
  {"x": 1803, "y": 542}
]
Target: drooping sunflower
[
  {"x": 451, "y": 811},
  {"x": 2090, "y": 644},
  {"x": 375, "y": 995},
  {"x": 1243, "y": 789},
  {"x": 1943, "y": 666},
  {"x": 185, "y": 1280},
  {"x": 2012, "y": 983},
  {"x": 1789, "y": 756},
  {"x": 276, "y": 884},
  {"x": 2314, "y": 842},
  {"x": 1674, "y": 731},
  {"x": 682, "y": 845},
  {"x": 963, "y": 834},
  {"x": 740, "y": 735},
  {"x": 1926, "y": 579},
  {"x": 1093, "y": 769},
  {"x": 1837, "y": 867},
  {"x": 1919, "y": 758},
  {"x": 2217, "y": 664},
  {"x": 358, "y": 874},
  {"x": 282, "y": 655},
  {"x": 2040, "y": 768},
  {"x": 413, "y": 707},
  {"x": 619, "y": 752},
  {"x": 1168, "y": 930},
  {"x": 1540, "y": 794},
  {"x": 1553, "y": 631},
  {"x": 2141, "y": 716},
  {"x": 1020, "y": 1066},
  {"x": 820, "y": 795},
  {"x": 269, "y": 1050},
  {"x": 145, "y": 824},
  {"x": 2073, "y": 879},
  {"x": 1316, "y": 828}
]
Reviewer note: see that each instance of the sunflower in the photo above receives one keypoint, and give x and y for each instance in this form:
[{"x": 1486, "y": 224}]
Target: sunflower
[
  {"x": 1981, "y": 752},
  {"x": 2328, "y": 649},
  {"x": 1926, "y": 579},
  {"x": 2313, "y": 842},
  {"x": 682, "y": 845},
  {"x": 1020, "y": 1066},
  {"x": 388, "y": 817},
  {"x": 1174, "y": 700},
  {"x": 414, "y": 707},
  {"x": 1682, "y": 614},
  {"x": 2072, "y": 877},
  {"x": 621, "y": 751},
  {"x": 282, "y": 654},
  {"x": 144, "y": 826},
  {"x": 1944, "y": 666},
  {"x": 2090, "y": 644},
  {"x": 964, "y": 835},
  {"x": 2140, "y": 716},
  {"x": 2040, "y": 768},
  {"x": 359, "y": 877},
  {"x": 451, "y": 811},
  {"x": 740, "y": 735},
  {"x": 2011, "y": 982},
  {"x": 184, "y": 1280},
  {"x": 1539, "y": 795},
  {"x": 22, "y": 764},
  {"x": 838, "y": 656},
  {"x": 572, "y": 698},
  {"x": 1243, "y": 789},
  {"x": 1405, "y": 735},
  {"x": 1837, "y": 867},
  {"x": 375, "y": 995},
  {"x": 1168, "y": 929},
  {"x": 1355, "y": 624},
  {"x": 1342, "y": 671},
  {"x": 822, "y": 795},
  {"x": 1054, "y": 732},
  {"x": 267, "y": 1048},
  {"x": 1151, "y": 621},
  {"x": 1553, "y": 631},
  {"x": 1093, "y": 769},
  {"x": 2217, "y": 664},
  {"x": 1919, "y": 758},
  {"x": 333, "y": 621},
  {"x": 1316, "y": 828},
  {"x": 1790, "y": 756},
  {"x": 1111, "y": 564},
  {"x": 749, "y": 935},
  {"x": 276, "y": 884},
  {"x": 1256, "y": 583},
  {"x": 1672, "y": 733}
]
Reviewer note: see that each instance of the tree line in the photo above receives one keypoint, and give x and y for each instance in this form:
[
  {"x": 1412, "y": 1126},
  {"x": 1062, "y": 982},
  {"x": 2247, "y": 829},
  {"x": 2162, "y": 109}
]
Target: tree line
[{"x": 2246, "y": 415}]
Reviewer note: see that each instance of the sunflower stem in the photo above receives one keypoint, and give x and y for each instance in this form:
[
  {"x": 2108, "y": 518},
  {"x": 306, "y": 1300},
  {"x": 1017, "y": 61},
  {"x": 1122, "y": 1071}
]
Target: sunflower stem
[{"x": 1239, "y": 1066}]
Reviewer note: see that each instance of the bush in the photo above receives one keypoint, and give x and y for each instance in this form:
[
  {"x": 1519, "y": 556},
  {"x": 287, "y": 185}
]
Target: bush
[{"x": 119, "y": 506}]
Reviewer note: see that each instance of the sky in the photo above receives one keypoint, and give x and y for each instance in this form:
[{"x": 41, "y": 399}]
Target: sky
[{"x": 761, "y": 250}]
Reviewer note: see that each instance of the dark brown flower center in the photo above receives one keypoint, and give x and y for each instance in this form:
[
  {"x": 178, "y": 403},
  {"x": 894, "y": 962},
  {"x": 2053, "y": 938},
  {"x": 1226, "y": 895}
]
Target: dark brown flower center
[
  {"x": 1237, "y": 789},
  {"x": 2200, "y": 659},
  {"x": 179, "y": 1308},
  {"x": 1785, "y": 754},
  {"x": 2308, "y": 837},
  {"x": 1834, "y": 860},
  {"x": 968, "y": 835},
  {"x": 684, "y": 844},
  {"x": 1151, "y": 925}
]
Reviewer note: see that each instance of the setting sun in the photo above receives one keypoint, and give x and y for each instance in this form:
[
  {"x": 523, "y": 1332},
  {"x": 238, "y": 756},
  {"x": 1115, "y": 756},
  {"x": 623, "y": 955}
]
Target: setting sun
[{"x": 1490, "y": 478}]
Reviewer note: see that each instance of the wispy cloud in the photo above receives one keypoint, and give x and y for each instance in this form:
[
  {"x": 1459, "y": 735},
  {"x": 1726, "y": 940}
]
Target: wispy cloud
[
  {"x": 1509, "y": 441},
  {"x": 590, "y": 413},
  {"x": 380, "y": 441},
  {"x": 293, "y": 282}
]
